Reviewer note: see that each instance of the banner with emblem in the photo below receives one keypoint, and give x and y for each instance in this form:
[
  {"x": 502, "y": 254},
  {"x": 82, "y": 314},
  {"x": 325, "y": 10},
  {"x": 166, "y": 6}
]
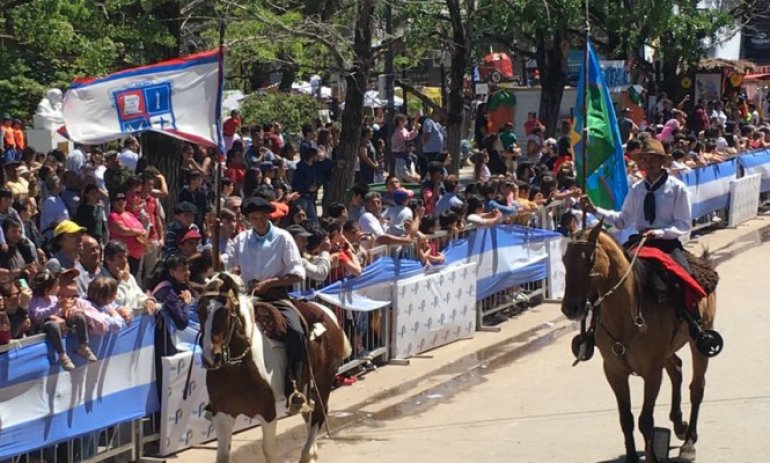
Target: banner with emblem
[
  {"x": 434, "y": 310},
  {"x": 180, "y": 97}
]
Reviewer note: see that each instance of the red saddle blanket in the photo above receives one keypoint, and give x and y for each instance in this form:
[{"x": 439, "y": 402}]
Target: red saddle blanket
[{"x": 693, "y": 291}]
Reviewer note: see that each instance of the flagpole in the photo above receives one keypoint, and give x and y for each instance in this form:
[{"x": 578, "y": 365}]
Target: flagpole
[
  {"x": 584, "y": 150},
  {"x": 218, "y": 183}
]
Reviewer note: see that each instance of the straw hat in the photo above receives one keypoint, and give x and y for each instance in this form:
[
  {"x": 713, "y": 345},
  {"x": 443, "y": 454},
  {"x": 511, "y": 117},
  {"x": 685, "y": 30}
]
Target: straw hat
[{"x": 651, "y": 146}]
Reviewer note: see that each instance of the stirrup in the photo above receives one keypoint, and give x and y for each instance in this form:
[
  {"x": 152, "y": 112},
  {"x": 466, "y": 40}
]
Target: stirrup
[
  {"x": 298, "y": 402},
  {"x": 709, "y": 343}
]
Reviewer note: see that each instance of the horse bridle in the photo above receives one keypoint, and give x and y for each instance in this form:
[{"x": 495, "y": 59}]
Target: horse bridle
[
  {"x": 592, "y": 307},
  {"x": 233, "y": 322}
]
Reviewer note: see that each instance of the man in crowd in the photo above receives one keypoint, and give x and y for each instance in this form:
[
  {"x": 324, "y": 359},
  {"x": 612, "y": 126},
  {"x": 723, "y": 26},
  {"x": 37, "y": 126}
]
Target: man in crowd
[{"x": 432, "y": 143}]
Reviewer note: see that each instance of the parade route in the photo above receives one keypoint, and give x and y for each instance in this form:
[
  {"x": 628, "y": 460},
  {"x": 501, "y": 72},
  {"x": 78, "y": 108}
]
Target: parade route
[{"x": 522, "y": 401}]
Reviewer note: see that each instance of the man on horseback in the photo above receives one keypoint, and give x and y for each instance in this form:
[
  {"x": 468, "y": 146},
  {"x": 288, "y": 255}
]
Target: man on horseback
[
  {"x": 269, "y": 263},
  {"x": 659, "y": 208}
]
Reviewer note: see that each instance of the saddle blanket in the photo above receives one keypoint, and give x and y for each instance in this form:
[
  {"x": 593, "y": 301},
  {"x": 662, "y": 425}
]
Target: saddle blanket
[{"x": 693, "y": 291}]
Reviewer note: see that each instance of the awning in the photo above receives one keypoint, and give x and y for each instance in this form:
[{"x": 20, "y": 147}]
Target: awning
[{"x": 760, "y": 77}]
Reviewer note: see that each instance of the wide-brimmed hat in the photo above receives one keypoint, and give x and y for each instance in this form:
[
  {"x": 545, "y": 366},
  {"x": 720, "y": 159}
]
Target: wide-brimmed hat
[{"x": 651, "y": 146}]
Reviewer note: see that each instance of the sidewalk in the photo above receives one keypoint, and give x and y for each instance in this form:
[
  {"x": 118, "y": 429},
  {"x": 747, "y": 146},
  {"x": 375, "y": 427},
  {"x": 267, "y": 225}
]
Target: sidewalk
[{"x": 393, "y": 384}]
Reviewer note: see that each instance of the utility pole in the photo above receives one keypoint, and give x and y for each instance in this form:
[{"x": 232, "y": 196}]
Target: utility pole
[{"x": 390, "y": 90}]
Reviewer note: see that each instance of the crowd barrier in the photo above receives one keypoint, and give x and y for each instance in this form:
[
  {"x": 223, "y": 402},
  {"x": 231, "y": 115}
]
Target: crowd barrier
[{"x": 394, "y": 310}]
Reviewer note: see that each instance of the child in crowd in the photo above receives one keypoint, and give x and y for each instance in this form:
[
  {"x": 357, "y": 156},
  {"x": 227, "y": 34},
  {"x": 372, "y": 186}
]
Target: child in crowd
[
  {"x": 53, "y": 319},
  {"x": 102, "y": 292},
  {"x": 428, "y": 250}
]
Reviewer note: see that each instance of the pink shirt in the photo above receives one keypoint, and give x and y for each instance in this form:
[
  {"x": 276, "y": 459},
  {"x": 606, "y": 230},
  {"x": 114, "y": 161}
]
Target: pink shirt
[{"x": 128, "y": 220}]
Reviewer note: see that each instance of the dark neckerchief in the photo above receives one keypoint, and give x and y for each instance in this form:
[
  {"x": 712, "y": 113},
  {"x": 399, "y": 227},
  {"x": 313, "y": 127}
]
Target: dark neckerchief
[{"x": 649, "y": 198}]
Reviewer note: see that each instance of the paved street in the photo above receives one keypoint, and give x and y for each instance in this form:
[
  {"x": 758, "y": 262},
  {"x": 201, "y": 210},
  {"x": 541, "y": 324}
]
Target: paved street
[{"x": 539, "y": 409}]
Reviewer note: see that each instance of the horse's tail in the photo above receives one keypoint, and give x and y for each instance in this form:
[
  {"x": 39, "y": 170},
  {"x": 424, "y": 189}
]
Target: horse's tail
[{"x": 347, "y": 349}]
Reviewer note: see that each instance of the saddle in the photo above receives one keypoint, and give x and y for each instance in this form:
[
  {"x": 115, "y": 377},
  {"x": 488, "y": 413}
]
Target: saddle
[
  {"x": 703, "y": 271},
  {"x": 669, "y": 279},
  {"x": 272, "y": 323}
]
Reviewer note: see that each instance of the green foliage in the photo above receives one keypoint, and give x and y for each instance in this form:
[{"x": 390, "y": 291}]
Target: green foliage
[{"x": 292, "y": 110}]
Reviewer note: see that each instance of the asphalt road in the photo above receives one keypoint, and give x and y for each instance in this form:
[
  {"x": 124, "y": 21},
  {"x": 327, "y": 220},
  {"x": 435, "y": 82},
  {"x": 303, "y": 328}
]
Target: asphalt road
[{"x": 537, "y": 408}]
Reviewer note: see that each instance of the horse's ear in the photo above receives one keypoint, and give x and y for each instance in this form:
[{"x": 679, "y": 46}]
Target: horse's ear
[
  {"x": 594, "y": 235},
  {"x": 231, "y": 299}
]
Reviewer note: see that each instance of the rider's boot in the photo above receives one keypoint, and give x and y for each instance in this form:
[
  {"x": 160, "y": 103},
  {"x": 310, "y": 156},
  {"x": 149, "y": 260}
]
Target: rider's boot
[{"x": 708, "y": 342}]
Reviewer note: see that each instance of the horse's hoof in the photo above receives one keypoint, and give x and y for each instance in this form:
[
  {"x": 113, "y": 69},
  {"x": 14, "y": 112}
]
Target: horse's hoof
[
  {"x": 681, "y": 433},
  {"x": 686, "y": 453}
]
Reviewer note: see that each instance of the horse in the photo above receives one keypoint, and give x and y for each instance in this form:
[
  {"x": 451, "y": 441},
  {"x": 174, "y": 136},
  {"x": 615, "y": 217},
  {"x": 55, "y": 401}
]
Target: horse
[
  {"x": 245, "y": 371},
  {"x": 635, "y": 334}
]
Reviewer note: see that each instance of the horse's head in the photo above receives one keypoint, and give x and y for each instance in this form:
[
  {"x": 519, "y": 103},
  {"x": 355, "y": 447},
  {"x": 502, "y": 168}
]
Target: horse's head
[
  {"x": 587, "y": 265},
  {"x": 220, "y": 320}
]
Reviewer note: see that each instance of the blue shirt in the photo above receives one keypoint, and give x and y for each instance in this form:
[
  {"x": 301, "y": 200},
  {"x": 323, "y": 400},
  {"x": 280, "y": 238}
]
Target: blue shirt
[
  {"x": 435, "y": 141},
  {"x": 446, "y": 203}
]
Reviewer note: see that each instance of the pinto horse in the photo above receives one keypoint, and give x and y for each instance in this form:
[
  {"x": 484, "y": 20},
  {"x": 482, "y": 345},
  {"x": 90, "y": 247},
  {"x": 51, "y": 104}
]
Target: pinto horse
[
  {"x": 246, "y": 371},
  {"x": 635, "y": 333}
]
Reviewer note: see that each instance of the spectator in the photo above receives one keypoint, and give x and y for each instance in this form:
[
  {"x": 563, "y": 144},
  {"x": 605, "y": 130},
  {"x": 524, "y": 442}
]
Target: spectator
[
  {"x": 115, "y": 175},
  {"x": 399, "y": 217},
  {"x": 54, "y": 210},
  {"x": 191, "y": 164},
  {"x": 476, "y": 214},
  {"x": 76, "y": 160},
  {"x": 130, "y": 295},
  {"x": 428, "y": 251},
  {"x": 432, "y": 142},
  {"x": 367, "y": 157},
  {"x": 126, "y": 228},
  {"x": 359, "y": 243},
  {"x": 7, "y": 211},
  {"x": 496, "y": 161},
  {"x": 90, "y": 263},
  {"x": 531, "y": 123},
  {"x": 16, "y": 301},
  {"x": 189, "y": 243},
  {"x": 51, "y": 318},
  {"x": 306, "y": 183},
  {"x": 19, "y": 256},
  {"x": 198, "y": 195},
  {"x": 102, "y": 293},
  {"x": 27, "y": 212},
  {"x": 129, "y": 156},
  {"x": 316, "y": 259},
  {"x": 481, "y": 172},
  {"x": 175, "y": 298},
  {"x": 17, "y": 184},
  {"x": 371, "y": 222},
  {"x": 433, "y": 187},
  {"x": 90, "y": 213},
  {"x": 356, "y": 208},
  {"x": 535, "y": 145},
  {"x": 338, "y": 213},
  {"x": 489, "y": 192},
  {"x": 230, "y": 128},
  {"x": 66, "y": 246},
  {"x": 236, "y": 170}
]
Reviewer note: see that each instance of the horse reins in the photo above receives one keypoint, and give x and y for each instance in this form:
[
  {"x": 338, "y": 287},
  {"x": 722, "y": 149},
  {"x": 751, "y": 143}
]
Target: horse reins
[{"x": 592, "y": 307}]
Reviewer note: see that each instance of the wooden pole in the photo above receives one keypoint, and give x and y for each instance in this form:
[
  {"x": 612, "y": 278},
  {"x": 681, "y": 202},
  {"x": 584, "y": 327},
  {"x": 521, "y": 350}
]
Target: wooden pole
[
  {"x": 584, "y": 150},
  {"x": 220, "y": 155}
]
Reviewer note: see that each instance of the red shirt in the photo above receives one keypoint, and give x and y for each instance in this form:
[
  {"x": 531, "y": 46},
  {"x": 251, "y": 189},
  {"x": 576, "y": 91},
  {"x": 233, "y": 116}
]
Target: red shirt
[
  {"x": 237, "y": 175},
  {"x": 231, "y": 126},
  {"x": 135, "y": 249}
]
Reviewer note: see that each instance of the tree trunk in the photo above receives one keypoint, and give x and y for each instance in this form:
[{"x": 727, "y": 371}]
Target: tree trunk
[
  {"x": 287, "y": 78},
  {"x": 165, "y": 153},
  {"x": 459, "y": 62},
  {"x": 352, "y": 115},
  {"x": 552, "y": 62}
]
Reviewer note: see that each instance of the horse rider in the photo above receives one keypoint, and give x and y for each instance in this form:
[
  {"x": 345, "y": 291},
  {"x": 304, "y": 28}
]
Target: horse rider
[
  {"x": 269, "y": 262},
  {"x": 659, "y": 208}
]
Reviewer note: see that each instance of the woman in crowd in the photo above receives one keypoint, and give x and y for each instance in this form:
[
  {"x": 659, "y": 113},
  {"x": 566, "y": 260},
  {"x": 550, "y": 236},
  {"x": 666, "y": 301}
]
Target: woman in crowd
[
  {"x": 476, "y": 214},
  {"x": 90, "y": 213},
  {"x": 174, "y": 294},
  {"x": 126, "y": 228}
]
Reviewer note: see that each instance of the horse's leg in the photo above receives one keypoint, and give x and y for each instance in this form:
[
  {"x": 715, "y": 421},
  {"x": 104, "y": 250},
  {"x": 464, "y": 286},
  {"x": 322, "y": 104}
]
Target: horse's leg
[
  {"x": 697, "y": 386},
  {"x": 652, "y": 381},
  {"x": 674, "y": 370},
  {"x": 268, "y": 441},
  {"x": 619, "y": 384},
  {"x": 310, "y": 451},
  {"x": 223, "y": 427}
]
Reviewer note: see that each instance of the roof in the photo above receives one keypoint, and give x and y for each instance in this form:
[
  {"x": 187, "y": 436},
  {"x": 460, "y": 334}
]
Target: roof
[{"x": 737, "y": 65}]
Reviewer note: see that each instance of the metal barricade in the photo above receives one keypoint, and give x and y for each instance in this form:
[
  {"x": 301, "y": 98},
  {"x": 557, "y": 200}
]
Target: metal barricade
[
  {"x": 716, "y": 218},
  {"x": 368, "y": 333}
]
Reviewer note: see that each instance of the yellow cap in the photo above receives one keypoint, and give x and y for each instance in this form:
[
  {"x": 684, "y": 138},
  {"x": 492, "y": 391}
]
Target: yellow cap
[{"x": 67, "y": 226}]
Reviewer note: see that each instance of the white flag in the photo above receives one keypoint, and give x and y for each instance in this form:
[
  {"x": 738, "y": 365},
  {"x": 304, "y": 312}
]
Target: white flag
[{"x": 180, "y": 97}]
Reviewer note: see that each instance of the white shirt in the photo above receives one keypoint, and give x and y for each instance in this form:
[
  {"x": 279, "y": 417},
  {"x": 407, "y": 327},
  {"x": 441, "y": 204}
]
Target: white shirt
[
  {"x": 370, "y": 224},
  {"x": 397, "y": 216},
  {"x": 720, "y": 115},
  {"x": 274, "y": 255},
  {"x": 99, "y": 177},
  {"x": 129, "y": 159},
  {"x": 673, "y": 211},
  {"x": 75, "y": 161}
]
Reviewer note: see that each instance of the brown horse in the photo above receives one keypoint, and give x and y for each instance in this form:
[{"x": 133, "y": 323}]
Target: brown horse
[
  {"x": 636, "y": 333},
  {"x": 246, "y": 370}
]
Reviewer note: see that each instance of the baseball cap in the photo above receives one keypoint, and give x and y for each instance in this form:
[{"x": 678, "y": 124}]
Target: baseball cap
[
  {"x": 67, "y": 226},
  {"x": 185, "y": 207},
  {"x": 400, "y": 196},
  {"x": 191, "y": 234},
  {"x": 298, "y": 230}
]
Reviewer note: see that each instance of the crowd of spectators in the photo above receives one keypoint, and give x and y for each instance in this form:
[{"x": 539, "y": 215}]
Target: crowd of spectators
[{"x": 85, "y": 239}]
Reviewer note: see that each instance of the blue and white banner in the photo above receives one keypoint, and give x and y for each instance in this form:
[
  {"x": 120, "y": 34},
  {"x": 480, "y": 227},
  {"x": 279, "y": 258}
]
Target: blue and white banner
[
  {"x": 434, "y": 310},
  {"x": 710, "y": 187},
  {"x": 757, "y": 162},
  {"x": 41, "y": 404},
  {"x": 505, "y": 256},
  {"x": 181, "y": 98}
]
